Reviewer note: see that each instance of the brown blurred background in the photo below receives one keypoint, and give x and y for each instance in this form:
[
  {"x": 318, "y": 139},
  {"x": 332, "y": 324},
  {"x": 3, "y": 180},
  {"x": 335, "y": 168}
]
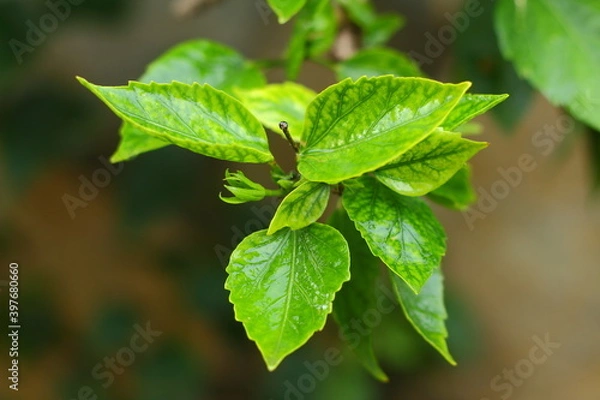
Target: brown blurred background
[{"x": 142, "y": 250}]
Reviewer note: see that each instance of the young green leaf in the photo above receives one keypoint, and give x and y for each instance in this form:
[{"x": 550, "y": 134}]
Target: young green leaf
[
  {"x": 357, "y": 298},
  {"x": 244, "y": 190},
  {"x": 429, "y": 164},
  {"x": 195, "y": 61},
  {"x": 313, "y": 34},
  {"x": 458, "y": 192},
  {"x": 282, "y": 285},
  {"x": 285, "y": 9},
  {"x": 377, "y": 62},
  {"x": 279, "y": 102},
  {"x": 426, "y": 311},
  {"x": 401, "y": 231},
  {"x": 196, "y": 117},
  {"x": 554, "y": 45},
  {"x": 301, "y": 207},
  {"x": 355, "y": 127},
  {"x": 470, "y": 106}
]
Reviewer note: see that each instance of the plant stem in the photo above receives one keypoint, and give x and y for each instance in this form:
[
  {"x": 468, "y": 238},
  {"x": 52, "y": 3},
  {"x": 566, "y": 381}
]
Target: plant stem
[{"x": 284, "y": 128}]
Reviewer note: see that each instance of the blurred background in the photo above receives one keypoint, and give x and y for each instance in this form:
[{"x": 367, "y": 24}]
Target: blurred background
[{"x": 146, "y": 252}]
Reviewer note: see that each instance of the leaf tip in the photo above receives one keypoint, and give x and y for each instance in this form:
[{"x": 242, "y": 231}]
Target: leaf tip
[{"x": 84, "y": 81}]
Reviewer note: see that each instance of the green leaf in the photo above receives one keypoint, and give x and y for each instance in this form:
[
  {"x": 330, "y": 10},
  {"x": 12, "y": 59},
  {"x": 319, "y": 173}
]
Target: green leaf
[
  {"x": 279, "y": 102},
  {"x": 401, "y": 231},
  {"x": 426, "y": 311},
  {"x": 357, "y": 297},
  {"x": 377, "y": 28},
  {"x": 429, "y": 164},
  {"x": 305, "y": 205},
  {"x": 197, "y": 117},
  {"x": 376, "y": 62},
  {"x": 379, "y": 117},
  {"x": 135, "y": 141},
  {"x": 458, "y": 192},
  {"x": 313, "y": 34},
  {"x": 203, "y": 61},
  {"x": 470, "y": 106},
  {"x": 286, "y": 9},
  {"x": 195, "y": 61},
  {"x": 381, "y": 29},
  {"x": 478, "y": 59},
  {"x": 282, "y": 285},
  {"x": 554, "y": 45}
]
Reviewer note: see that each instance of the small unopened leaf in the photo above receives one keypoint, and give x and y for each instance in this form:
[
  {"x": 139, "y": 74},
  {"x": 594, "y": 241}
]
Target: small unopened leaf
[
  {"x": 196, "y": 117},
  {"x": 355, "y": 127},
  {"x": 357, "y": 299},
  {"x": 303, "y": 206},
  {"x": 429, "y": 164},
  {"x": 272, "y": 104},
  {"x": 426, "y": 311},
  {"x": 400, "y": 230},
  {"x": 282, "y": 285},
  {"x": 458, "y": 192}
]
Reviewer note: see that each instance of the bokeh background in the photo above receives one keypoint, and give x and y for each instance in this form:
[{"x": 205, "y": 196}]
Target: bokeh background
[{"x": 142, "y": 250}]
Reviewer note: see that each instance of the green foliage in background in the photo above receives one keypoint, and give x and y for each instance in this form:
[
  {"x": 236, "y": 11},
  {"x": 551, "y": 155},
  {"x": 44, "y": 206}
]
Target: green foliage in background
[{"x": 372, "y": 145}]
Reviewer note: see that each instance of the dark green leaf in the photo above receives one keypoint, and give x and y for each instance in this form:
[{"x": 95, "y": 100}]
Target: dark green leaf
[
  {"x": 426, "y": 311},
  {"x": 381, "y": 29},
  {"x": 313, "y": 34},
  {"x": 400, "y": 230},
  {"x": 379, "y": 117},
  {"x": 429, "y": 164},
  {"x": 377, "y": 28},
  {"x": 196, "y": 117},
  {"x": 458, "y": 192},
  {"x": 479, "y": 60},
  {"x": 282, "y": 285},
  {"x": 357, "y": 297}
]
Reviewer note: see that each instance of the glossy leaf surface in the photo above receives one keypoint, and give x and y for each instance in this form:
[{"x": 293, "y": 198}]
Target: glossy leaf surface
[
  {"x": 379, "y": 117},
  {"x": 402, "y": 231},
  {"x": 282, "y": 285}
]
